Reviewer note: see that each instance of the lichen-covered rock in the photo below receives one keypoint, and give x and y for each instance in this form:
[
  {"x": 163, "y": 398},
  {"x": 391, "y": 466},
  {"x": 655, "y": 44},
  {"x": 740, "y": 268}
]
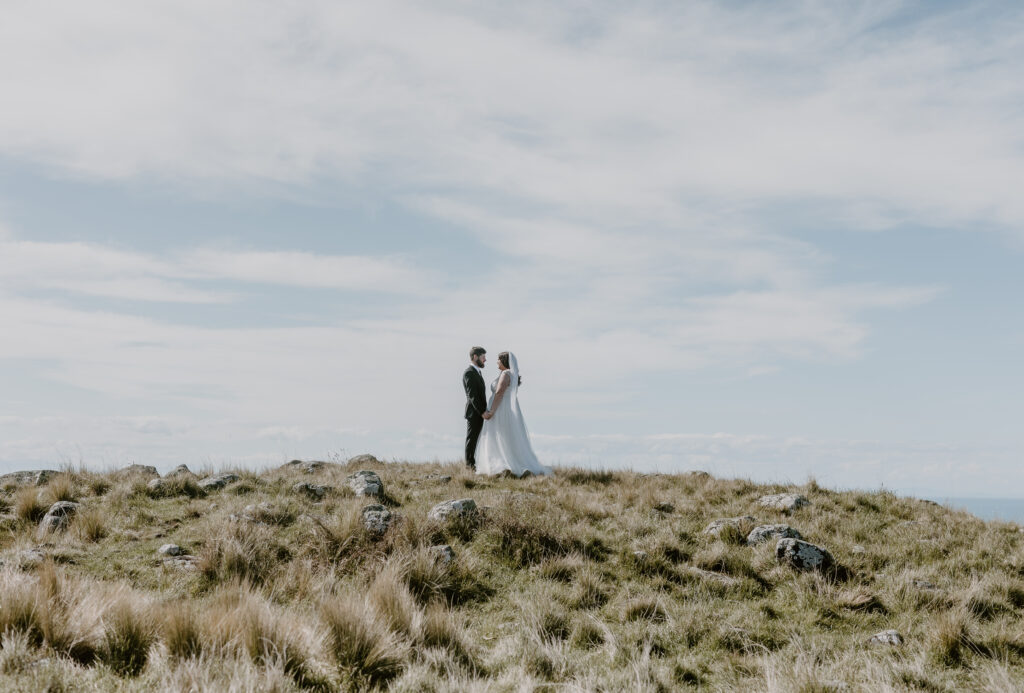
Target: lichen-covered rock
[
  {"x": 463, "y": 507},
  {"x": 307, "y": 467},
  {"x": 886, "y": 637},
  {"x": 182, "y": 562},
  {"x": 716, "y": 526},
  {"x": 144, "y": 469},
  {"x": 803, "y": 555},
  {"x": 155, "y": 484},
  {"x": 443, "y": 554},
  {"x": 363, "y": 459},
  {"x": 170, "y": 550},
  {"x": 31, "y": 477},
  {"x": 313, "y": 491},
  {"x": 377, "y": 519},
  {"x": 31, "y": 557},
  {"x": 58, "y": 516},
  {"x": 365, "y": 483},
  {"x": 786, "y": 502},
  {"x": 212, "y": 483},
  {"x": 763, "y": 533},
  {"x": 180, "y": 470}
]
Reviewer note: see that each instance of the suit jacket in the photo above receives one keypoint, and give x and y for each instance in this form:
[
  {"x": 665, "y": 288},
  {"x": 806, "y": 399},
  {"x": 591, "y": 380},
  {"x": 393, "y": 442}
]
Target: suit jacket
[{"x": 476, "y": 397}]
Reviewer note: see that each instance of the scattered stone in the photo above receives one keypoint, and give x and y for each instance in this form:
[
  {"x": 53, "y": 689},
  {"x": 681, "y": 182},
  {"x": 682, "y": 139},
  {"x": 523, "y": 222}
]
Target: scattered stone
[
  {"x": 763, "y": 533},
  {"x": 443, "y": 554},
  {"x": 803, "y": 555},
  {"x": 33, "y": 477},
  {"x": 182, "y": 562},
  {"x": 307, "y": 467},
  {"x": 639, "y": 555},
  {"x": 786, "y": 502},
  {"x": 857, "y": 548},
  {"x": 170, "y": 550},
  {"x": 665, "y": 508},
  {"x": 211, "y": 483},
  {"x": 366, "y": 483},
  {"x": 31, "y": 557},
  {"x": 363, "y": 459},
  {"x": 887, "y": 637},
  {"x": 463, "y": 507},
  {"x": 58, "y": 516},
  {"x": 263, "y": 512},
  {"x": 377, "y": 518},
  {"x": 716, "y": 526},
  {"x": 156, "y": 484},
  {"x": 925, "y": 585},
  {"x": 313, "y": 491},
  {"x": 148, "y": 470},
  {"x": 440, "y": 478},
  {"x": 180, "y": 470}
]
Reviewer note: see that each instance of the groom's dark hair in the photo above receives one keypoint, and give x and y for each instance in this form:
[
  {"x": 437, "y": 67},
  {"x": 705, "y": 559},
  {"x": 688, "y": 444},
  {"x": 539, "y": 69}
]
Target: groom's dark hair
[{"x": 477, "y": 351}]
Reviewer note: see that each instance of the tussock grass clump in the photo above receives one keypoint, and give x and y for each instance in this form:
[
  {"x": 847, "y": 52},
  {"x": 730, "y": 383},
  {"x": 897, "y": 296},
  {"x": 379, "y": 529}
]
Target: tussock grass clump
[
  {"x": 243, "y": 551},
  {"x": 366, "y": 654},
  {"x": 28, "y": 506},
  {"x": 588, "y": 476},
  {"x": 174, "y": 486},
  {"x": 90, "y": 525},
  {"x": 950, "y": 640},
  {"x": 181, "y": 632},
  {"x": 127, "y": 637},
  {"x": 644, "y": 608},
  {"x": 61, "y": 487}
]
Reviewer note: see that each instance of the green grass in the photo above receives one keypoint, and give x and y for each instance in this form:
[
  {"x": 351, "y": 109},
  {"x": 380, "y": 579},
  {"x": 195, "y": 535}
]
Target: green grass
[{"x": 567, "y": 583}]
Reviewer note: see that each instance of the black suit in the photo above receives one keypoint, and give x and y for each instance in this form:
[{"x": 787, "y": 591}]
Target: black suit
[{"x": 476, "y": 405}]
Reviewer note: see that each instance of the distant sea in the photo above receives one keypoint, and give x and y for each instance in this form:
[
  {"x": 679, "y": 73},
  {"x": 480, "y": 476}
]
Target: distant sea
[{"x": 1009, "y": 509}]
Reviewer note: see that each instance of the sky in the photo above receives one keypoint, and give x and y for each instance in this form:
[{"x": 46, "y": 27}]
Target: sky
[{"x": 767, "y": 240}]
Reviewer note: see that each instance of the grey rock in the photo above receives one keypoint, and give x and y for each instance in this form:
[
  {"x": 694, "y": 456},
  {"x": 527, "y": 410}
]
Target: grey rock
[
  {"x": 307, "y": 467},
  {"x": 763, "y": 533},
  {"x": 886, "y": 637},
  {"x": 463, "y": 507},
  {"x": 716, "y": 526},
  {"x": 156, "y": 484},
  {"x": 377, "y": 519},
  {"x": 363, "y": 459},
  {"x": 925, "y": 585},
  {"x": 180, "y": 470},
  {"x": 443, "y": 554},
  {"x": 31, "y": 557},
  {"x": 314, "y": 491},
  {"x": 857, "y": 548},
  {"x": 365, "y": 483},
  {"x": 439, "y": 478},
  {"x": 58, "y": 516},
  {"x": 170, "y": 550},
  {"x": 786, "y": 502},
  {"x": 146, "y": 469},
  {"x": 32, "y": 477},
  {"x": 211, "y": 483},
  {"x": 182, "y": 562},
  {"x": 803, "y": 555},
  {"x": 264, "y": 512}
]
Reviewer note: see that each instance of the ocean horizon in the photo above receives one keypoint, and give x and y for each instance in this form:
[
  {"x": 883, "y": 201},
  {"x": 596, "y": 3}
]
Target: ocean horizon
[{"x": 1007, "y": 509}]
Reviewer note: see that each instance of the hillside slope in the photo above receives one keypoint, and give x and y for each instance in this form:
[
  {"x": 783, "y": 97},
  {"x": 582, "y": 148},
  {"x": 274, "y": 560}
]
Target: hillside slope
[{"x": 587, "y": 581}]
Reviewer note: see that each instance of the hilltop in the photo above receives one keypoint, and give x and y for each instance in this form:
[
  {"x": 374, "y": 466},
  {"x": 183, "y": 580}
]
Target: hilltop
[{"x": 284, "y": 580}]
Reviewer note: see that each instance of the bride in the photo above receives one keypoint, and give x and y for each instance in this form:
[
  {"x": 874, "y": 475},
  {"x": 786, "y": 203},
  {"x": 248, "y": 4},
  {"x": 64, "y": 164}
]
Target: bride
[{"x": 504, "y": 443}]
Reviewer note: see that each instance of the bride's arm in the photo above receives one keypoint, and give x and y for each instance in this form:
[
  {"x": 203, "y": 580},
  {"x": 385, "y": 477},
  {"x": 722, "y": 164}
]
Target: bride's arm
[{"x": 500, "y": 392}]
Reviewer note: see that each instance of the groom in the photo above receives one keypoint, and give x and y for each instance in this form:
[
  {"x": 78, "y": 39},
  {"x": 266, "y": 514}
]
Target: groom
[{"x": 476, "y": 401}]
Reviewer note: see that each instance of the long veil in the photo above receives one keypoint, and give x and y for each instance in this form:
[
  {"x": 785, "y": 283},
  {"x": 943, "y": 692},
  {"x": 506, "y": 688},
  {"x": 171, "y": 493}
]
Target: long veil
[{"x": 513, "y": 390}]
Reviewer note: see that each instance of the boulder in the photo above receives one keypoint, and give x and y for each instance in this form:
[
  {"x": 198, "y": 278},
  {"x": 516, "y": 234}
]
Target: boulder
[
  {"x": 377, "y": 519},
  {"x": 307, "y": 467},
  {"x": 314, "y": 491},
  {"x": 156, "y": 484},
  {"x": 443, "y": 554},
  {"x": 716, "y": 526},
  {"x": 463, "y": 507},
  {"x": 786, "y": 502},
  {"x": 33, "y": 477},
  {"x": 145, "y": 469},
  {"x": 170, "y": 550},
  {"x": 58, "y": 516},
  {"x": 363, "y": 459},
  {"x": 763, "y": 533},
  {"x": 180, "y": 470},
  {"x": 211, "y": 483},
  {"x": 886, "y": 637},
  {"x": 366, "y": 483},
  {"x": 803, "y": 555}
]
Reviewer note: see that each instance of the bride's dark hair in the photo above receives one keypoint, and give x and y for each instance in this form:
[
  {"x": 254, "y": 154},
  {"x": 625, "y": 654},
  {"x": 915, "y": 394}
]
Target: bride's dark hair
[{"x": 503, "y": 358}]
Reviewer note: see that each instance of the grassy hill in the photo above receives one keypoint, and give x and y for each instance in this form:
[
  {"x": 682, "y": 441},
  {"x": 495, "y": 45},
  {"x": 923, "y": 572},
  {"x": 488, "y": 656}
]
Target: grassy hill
[{"x": 587, "y": 581}]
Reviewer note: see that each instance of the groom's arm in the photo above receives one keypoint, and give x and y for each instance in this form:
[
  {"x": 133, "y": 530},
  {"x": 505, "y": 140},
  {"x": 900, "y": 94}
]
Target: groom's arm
[{"x": 472, "y": 395}]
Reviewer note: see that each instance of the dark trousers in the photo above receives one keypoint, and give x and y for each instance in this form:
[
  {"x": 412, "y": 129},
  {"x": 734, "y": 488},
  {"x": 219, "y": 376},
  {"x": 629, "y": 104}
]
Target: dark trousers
[{"x": 474, "y": 425}]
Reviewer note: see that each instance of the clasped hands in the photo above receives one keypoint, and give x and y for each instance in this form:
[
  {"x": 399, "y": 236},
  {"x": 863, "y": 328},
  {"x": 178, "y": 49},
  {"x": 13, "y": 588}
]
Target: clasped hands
[{"x": 487, "y": 415}]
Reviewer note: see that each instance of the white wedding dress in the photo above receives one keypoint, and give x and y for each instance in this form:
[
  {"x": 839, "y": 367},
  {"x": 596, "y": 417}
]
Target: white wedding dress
[{"x": 504, "y": 442}]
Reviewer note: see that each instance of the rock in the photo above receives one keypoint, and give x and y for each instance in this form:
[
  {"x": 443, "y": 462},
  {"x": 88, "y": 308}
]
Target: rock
[
  {"x": 786, "y": 502},
  {"x": 264, "y": 513},
  {"x": 377, "y": 519},
  {"x": 34, "y": 477},
  {"x": 443, "y": 554},
  {"x": 925, "y": 585},
  {"x": 180, "y": 470},
  {"x": 58, "y": 516},
  {"x": 146, "y": 469},
  {"x": 366, "y": 483},
  {"x": 363, "y": 459},
  {"x": 764, "y": 533},
  {"x": 886, "y": 637},
  {"x": 211, "y": 483},
  {"x": 665, "y": 508},
  {"x": 182, "y": 562},
  {"x": 156, "y": 484},
  {"x": 31, "y": 557},
  {"x": 170, "y": 550},
  {"x": 439, "y": 478},
  {"x": 307, "y": 467},
  {"x": 313, "y": 491},
  {"x": 716, "y": 526},
  {"x": 464, "y": 507},
  {"x": 803, "y": 555},
  {"x": 857, "y": 548}
]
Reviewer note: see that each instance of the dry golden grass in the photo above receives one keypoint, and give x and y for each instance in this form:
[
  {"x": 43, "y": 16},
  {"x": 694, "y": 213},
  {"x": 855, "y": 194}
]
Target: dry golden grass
[{"x": 585, "y": 581}]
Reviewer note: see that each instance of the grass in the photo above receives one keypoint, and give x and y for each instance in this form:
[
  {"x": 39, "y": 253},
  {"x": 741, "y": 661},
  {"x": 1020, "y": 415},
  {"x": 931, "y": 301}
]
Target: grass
[{"x": 573, "y": 582}]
